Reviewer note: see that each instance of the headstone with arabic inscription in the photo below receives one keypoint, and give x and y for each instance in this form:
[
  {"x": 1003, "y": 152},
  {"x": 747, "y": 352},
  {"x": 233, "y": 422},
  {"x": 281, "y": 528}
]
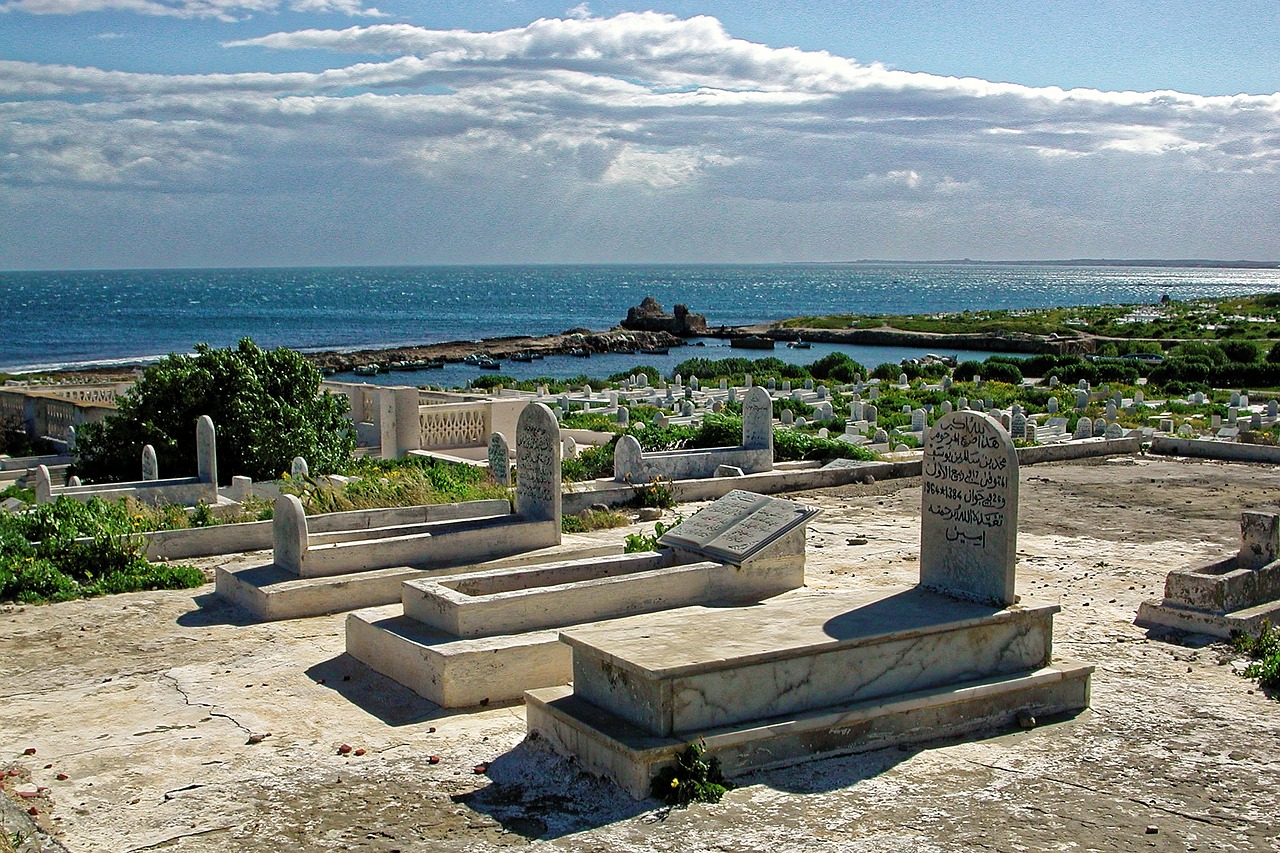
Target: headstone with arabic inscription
[
  {"x": 500, "y": 458},
  {"x": 738, "y": 526},
  {"x": 538, "y": 464},
  {"x": 969, "y": 509}
]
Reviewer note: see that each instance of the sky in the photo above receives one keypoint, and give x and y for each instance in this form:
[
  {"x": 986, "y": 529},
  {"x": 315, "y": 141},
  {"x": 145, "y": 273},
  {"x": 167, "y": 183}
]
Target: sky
[{"x": 199, "y": 133}]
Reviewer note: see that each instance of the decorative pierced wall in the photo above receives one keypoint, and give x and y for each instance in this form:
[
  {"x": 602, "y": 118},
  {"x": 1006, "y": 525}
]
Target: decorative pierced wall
[{"x": 443, "y": 428}]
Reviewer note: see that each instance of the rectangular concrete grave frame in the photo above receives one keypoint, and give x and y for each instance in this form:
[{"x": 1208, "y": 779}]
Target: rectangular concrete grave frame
[
  {"x": 969, "y": 509},
  {"x": 738, "y": 526}
]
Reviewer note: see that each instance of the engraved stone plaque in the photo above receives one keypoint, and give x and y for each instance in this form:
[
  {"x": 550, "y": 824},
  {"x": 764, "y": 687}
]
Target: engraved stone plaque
[
  {"x": 738, "y": 526},
  {"x": 969, "y": 509}
]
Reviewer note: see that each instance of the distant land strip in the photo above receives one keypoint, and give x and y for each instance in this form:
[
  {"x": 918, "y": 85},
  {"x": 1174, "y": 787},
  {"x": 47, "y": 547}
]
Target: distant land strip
[{"x": 1196, "y": 263}]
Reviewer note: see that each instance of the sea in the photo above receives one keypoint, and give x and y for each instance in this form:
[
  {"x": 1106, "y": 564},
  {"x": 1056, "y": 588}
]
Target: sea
[{"x": 58, "y": 320}]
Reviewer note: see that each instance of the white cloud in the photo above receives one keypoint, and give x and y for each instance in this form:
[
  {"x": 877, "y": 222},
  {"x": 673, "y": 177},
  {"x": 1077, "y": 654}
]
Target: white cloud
[
  {"x": 222, "y": 10},
  {"x": 644, "y": 107}
]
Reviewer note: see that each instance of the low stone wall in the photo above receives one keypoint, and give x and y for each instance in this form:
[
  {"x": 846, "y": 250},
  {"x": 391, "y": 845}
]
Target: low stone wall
[
  {"x": 256, "y": 535},
  {"x": 1226, "y": 451},
  {"x": 772, "y": 482}
]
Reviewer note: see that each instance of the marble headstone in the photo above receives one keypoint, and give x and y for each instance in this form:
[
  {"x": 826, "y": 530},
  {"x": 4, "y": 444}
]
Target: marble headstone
[
  {"x": 969, "y": 509},
  {"x": 500, "y": 459},
  {"x": 150, "y": 467},
  {"x": 538, "y": 464}
]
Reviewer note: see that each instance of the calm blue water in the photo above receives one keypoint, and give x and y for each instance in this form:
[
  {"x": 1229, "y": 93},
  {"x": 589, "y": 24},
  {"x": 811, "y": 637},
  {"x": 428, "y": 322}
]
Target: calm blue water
[{"x": 69, "y": 318}]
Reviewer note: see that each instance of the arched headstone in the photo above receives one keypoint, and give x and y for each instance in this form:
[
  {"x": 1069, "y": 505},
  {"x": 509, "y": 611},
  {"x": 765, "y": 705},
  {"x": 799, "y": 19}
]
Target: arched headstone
[
  {"x": 538, "y": 465},
  {"x": 500, "y": 458},
  {"x": 289, "y": 534},
  {"x": 969, "y": 509},
  {"x": 150, "y": 467},
  {"x": 206, "y": 450}
]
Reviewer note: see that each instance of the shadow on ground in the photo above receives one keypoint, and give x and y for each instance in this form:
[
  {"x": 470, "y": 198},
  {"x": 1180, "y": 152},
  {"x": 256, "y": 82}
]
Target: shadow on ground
[
  {"x": 212, "y": 610},
  {"x": 537, "y": 794}
]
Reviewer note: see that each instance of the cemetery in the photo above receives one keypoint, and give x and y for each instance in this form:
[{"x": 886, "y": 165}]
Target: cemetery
[
  {"x": 491, "y": 636},
  {"x": 977, "y": 598}
]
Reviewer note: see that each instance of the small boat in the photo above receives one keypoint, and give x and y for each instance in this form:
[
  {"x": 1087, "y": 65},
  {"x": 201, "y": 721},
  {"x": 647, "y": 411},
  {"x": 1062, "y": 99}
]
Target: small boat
[
  {"x": 433, "y": 365},
  {"x": 579, "y": 352},
  {"x": 623, "y": 351},
  {"x": 751, "y": 342},
  {"x": 522, "y": 356},
  {"x": 799, "y": 344},
  {"x": 365, "y": 370},
  {"x": 655, "y": 351},
  {"x": 488, "y": 364},
  {"x": 407, "y": 365},
  {"x": 328, "y": 371}
]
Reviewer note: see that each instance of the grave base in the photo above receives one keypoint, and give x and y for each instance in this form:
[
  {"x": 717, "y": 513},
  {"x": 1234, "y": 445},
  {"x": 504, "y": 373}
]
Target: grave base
[
  {"x": 270, "y": 593},
  {"x": 1159, "y": 614},
  {"x": 453, "y": 672},
  {"x": 608, "y": 746}
]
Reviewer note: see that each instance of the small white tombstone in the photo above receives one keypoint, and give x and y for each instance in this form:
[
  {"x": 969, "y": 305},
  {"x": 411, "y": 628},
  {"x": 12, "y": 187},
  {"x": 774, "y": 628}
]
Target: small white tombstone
[
  {"x": 298, "y": 468},
  {"x": 150, "y": 467},
  {"x": 1052, "y": 405},
  {"x": 206, "y": 450},
  {"x": 289, "y": 534},
  {"x": 788, "y": 417}
]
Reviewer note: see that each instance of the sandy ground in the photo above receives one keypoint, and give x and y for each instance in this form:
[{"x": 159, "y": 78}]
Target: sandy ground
[{"x": 147, "y": 703}]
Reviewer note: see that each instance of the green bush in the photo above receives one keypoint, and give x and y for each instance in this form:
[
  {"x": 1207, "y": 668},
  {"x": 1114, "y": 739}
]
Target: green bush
[
  {"x": 836, "y": 366},
  {"x": 693, "y": 779},
  {"x": 40, "y": 561},
  {"x": 1265, "y": 650},
  {"x": 264, "y": 404},
  {"x": 490, "y": 381}
]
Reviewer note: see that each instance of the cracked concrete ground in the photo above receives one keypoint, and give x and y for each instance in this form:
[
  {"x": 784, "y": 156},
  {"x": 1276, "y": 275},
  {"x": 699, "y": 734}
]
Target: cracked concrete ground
[{"x": 181, "y": 725}]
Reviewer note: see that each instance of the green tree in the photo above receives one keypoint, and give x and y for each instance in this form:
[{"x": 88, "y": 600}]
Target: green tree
[{"x": 265, "y": 405}]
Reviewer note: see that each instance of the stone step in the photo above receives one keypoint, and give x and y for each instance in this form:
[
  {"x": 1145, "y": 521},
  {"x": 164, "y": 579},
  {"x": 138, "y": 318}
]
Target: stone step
[
  {"x": 454, "y": 672},
  {"x": 1156, "y": 614},
  {"x": 271, "y": 593},
  {"x": 607, "y": 745},
  {"x": 686, "y": 670}
]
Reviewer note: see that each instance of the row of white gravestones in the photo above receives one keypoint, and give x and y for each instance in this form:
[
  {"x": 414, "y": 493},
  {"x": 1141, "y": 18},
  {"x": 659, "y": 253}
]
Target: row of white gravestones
[{"x": 206, "y": 454}]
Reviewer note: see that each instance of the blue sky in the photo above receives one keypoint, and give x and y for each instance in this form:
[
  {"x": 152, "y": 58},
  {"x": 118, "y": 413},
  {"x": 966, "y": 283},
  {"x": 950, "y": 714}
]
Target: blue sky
[{"x": 143, "y": 133}]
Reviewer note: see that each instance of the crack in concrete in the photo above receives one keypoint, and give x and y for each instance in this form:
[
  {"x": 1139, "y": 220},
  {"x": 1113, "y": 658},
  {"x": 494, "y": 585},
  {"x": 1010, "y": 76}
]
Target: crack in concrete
[
  {"x": 1135, "y": 800},
  {"x": 177, "y": 836},
  {"x": 193, "y": 704}
]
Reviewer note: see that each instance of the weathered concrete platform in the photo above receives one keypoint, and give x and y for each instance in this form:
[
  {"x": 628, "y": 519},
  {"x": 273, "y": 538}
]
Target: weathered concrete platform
[
  {"x": 493, "y": 635},
  {"x": 799, "y": 676},
  {"x": 1232, "y": 596},
  {"x": 271, "y": 593}
]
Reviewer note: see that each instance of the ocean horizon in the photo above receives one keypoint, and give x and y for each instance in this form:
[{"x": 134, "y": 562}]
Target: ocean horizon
[{"x": 68, "y": 319}]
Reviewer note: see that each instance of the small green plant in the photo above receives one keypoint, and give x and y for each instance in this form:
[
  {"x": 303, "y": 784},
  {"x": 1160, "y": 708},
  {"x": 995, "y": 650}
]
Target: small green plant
[
  {"x": 694, "y": 779},
  {"x": 1265, "y": 651},
  {"x": 637, "y": 542},
  {"x": 658, "y": 493}
]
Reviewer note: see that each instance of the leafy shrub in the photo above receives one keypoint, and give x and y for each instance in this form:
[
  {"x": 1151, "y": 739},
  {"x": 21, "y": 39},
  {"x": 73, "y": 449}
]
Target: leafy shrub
[
  {"x": 592, "y": 464},
  {"x": 635, "y": 543},
  {"x": 836, "y": 366},
  {"x": 490, "y": 381},
  {"x": 41, "y": 561},
  {"x": 1265, "y": 650},
  {"x": 693, "y": 779},
  {"x": 264, "y": 404},
  {"x": 992, "y": 370}
]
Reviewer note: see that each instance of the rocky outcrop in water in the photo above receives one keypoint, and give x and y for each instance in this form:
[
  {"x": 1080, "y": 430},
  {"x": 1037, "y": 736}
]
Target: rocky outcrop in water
[{"x": 648, "y": 316}]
